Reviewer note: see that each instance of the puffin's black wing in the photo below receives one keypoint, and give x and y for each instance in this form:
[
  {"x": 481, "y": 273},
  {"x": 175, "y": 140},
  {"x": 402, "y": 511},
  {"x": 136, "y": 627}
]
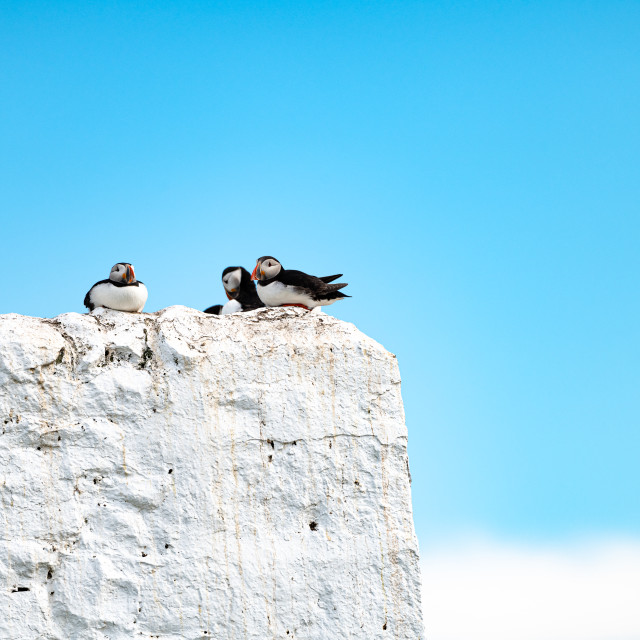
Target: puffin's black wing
[
  {"x": 329, "y": 279},
  {"x": 250, "y": 302},
  {"x": 318, "y": 289},
  {"x": 215, "y": 310},
  {"x": 330, "y": 292},
  {"x": 293, "y": 278},
  {"x": 87, "y": 299},
  {"x": 87, "y": 302}
]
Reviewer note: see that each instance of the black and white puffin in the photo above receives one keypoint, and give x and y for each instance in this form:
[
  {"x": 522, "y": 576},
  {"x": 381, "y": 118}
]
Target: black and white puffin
[
  {"x": 240, "y": 291},
  {"x": 215, "y": 309},
  {"x": 279, "y": 287},
  {"x": 121, "y": 291}
]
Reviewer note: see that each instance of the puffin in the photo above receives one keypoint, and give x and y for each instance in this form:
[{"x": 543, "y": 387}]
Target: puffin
[
  {"x": 280, "y": 287},
  {"x": 240, "y": 291},
  {"x": 121, "y": 291},
  {"x": 215, "y": 309}
]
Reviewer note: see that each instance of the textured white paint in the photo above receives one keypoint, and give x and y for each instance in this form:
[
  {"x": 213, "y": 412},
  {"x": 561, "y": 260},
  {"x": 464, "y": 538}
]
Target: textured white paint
[{"x": 159, "y": 474}]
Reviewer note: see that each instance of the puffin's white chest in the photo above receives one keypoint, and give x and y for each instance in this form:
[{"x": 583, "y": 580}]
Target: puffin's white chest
[
  {"x": 275, "y": 294},
  {"x": 233, "y": 306},
  {"x": 119, "y": 298}
]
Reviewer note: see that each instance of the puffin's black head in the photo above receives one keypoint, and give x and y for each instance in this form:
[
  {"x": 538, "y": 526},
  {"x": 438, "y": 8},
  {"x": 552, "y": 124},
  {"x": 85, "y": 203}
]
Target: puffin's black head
[
  {"x": 123, "y": 272},
  {"x": 266, "y": 267}
]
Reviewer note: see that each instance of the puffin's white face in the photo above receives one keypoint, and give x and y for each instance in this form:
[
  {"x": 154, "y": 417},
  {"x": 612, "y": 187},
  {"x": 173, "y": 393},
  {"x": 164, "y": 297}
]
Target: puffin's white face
[
  {"x": 231, "y": 282},
  {"x": 122, "y": 272},
  {"x": 266, "y": 268}
]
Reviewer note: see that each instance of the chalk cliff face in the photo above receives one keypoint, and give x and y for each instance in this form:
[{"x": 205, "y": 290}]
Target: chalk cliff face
[{"x": 176, "y": 475}]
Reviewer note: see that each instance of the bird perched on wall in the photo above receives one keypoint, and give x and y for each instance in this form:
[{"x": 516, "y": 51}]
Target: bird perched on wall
[
  {"x": 240, "y": 291},
  {"x": 279, "y": 287},
  {"x": 121, "y": 291},
  {"x": 214, "y": 310}
]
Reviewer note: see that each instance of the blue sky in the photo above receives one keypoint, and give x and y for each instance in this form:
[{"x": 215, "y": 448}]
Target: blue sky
[{"x": 472, "y": 168}]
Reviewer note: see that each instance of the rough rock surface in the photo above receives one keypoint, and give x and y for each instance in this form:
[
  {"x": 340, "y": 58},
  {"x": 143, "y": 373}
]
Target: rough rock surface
[{"x": 181, "y": 475}]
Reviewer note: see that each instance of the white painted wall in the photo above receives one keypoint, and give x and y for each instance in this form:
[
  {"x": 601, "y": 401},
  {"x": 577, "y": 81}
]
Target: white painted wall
[{"x": 179, "y": 475}]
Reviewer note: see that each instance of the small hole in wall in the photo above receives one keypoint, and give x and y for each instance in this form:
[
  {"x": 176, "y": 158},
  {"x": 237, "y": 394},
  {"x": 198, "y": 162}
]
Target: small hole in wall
[
  {"x": 170, "y": 471},
  {"x": 49, "y": 575},
  {"x": 270, "y": 458},
  {"x": 144, "y": 555},
  {"x": 166, "y": 546},
  {"x": 313, "y": 525},
  {"x": 39, "y": 448},
  {"x": 384, "y": 626},
  {"x": 51, "y": 593}
]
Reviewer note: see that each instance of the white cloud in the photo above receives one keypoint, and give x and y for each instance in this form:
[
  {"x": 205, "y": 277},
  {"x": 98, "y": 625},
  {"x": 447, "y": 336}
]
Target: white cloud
[{"x": 493, "y": 591}]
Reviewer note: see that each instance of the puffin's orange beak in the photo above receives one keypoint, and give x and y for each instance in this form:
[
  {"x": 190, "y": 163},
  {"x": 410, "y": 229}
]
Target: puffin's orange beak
[
  {"x": 253, "y": 274},
  {"x": 131, "y": 276}
]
